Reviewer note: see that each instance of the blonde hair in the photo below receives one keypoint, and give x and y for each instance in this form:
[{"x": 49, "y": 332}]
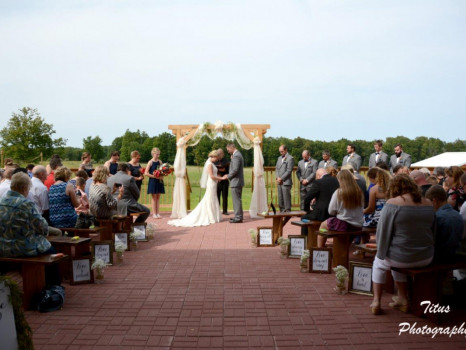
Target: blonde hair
[
  {"x": 101, "y": 174},
  {"x": 383, "y": 179},
  {"x": 155, "y": 150},
  {"x": 349, "y": 192},
  {"x": 63, "y": 174},
  {"x": 213, "y": 154}
]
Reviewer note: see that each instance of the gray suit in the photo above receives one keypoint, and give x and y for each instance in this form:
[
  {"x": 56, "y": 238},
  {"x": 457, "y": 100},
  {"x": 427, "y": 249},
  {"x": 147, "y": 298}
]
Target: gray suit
[
  {"x": 283, "y": 170},
  {"x": 236, "y": 177},
  {"x": 330, "y": 162},
  {"x": 306, "y": 173},
  {"x": 130, "y": 195},
  {"x": 382, "y": 157},
  {"x": 405, "y": 160},
  {"x": 355, "y": 161}
]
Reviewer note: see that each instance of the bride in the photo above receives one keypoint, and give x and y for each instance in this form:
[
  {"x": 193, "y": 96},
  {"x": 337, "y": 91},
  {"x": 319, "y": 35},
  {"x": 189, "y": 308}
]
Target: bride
[{"x": 208, "y": 210}]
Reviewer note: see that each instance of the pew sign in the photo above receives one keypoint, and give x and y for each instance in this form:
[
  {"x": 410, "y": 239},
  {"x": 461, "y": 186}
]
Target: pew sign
[
  {"x": 360, "y": 278},
  {"x": 81, "y": 272},
  {"x": 123, "y": 238},
  {"x": 264, "y": 237},
  {"x": 321, "y": 260},
  {"x": 7, "y": 320},
  {"x": 297, "y": 246},
  {"x": 103, "y": 250}
]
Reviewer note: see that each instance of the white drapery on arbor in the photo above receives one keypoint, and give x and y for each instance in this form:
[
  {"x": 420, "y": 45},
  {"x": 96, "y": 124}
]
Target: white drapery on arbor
[{"x": 229, "y": 132}]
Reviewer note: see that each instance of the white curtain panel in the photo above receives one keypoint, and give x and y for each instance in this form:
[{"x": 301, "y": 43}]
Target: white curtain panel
[
  {"x": 259, "y": 194},
  {"x": 179, "y": 190}
]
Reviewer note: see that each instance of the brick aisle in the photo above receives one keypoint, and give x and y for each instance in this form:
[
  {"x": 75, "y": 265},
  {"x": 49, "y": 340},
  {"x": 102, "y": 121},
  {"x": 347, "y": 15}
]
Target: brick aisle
[{"x": 207, "y": 288}]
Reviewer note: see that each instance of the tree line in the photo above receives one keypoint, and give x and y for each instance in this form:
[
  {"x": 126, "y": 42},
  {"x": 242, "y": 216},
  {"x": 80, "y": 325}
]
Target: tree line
[{"x": 27, "y": 134}]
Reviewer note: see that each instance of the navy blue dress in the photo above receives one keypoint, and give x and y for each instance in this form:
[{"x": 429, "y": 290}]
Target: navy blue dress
[{"x": 155, "y": 185}]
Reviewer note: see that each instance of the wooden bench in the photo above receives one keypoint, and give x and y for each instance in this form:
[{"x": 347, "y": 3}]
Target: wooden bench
[
  {"x": 312, "y": 227},
  {"x": 341, "y": 244},
  {"x": 33, "y": 273},
  {"x": 279, "y": 220},
  {"x": 425, "y": 284},
  {"x": 93, "y": 233}
]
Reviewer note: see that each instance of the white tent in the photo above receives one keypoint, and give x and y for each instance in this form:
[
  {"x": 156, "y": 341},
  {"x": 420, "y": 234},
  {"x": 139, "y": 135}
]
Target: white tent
[{"x": 445, "y": 159}]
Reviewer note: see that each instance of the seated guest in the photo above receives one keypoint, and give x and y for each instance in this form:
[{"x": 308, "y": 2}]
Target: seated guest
[
  {"x": 404, "y": 238},
  {"x": 6, "y": 183},
  {"x": 62, "y": 200},
  {"x": 39, "y": 195},
  {"x": 83, "y": 206},
  {"x": 22, "y": 227},
  {"x": 86, "y": 164},
  {"x": 321, "y": 191},
  {"x": 360, "y": 180},
  {"x": 461, "y": 274},
  {"x": 420, "y": 180},
  {"x": 131, "y": 192},
  {"x": 112, "y": 163},
  {"x": 371, "y": 175},
  {"x": 449, "y": 225},
  {"x": 425, "y": 171},
  {"x": 79, "y": 173},
  {"x": 382, "y": 165},
  {"x": 55, "y": 163},
  {"x": 102, "y": 204},
  {"x": 346, "y": 204},
  {"x": 455, "y": 192},
  {"x": 400, "y": 169},
  {"x": 377, "y": 198},
  {"x": 432, "y": 180}
]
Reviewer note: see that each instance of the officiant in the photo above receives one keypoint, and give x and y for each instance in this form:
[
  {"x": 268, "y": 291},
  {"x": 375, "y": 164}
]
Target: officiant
[{"x": 223, "y": 167}]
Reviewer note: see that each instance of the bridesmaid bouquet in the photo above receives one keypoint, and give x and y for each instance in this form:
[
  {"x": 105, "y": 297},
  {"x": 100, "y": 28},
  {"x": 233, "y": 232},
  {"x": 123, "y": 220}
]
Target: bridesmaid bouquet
[{"x": 164, "y": 170}]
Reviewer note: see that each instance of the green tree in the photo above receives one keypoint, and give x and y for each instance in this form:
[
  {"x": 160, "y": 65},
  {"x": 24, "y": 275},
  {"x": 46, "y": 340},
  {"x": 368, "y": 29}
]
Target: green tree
[
  {"x": 94, "y": 147},
  {"x": 27, "y": 135}
]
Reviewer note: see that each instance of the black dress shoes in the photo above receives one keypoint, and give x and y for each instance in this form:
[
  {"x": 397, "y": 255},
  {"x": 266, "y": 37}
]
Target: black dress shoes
[
  {"x": 225, "y": 213},
  {"x": 236, "y": 221}
]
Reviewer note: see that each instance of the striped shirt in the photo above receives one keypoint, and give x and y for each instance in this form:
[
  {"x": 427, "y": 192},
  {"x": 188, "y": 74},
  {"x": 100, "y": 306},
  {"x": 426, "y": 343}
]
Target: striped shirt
[{"x": 101, "y": 202}]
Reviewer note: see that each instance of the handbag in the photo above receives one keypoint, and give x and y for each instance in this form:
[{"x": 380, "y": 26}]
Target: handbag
[
  {"x": 50, "y": 299},
  {"x": 84, "y": 221}
]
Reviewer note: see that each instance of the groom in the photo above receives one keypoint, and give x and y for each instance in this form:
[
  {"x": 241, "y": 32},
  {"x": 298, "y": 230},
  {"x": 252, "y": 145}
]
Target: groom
[{"x": 236, "y": 178}]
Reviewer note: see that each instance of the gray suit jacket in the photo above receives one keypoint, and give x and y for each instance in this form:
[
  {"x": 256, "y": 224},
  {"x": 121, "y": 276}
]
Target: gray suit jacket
[
  {"x": 284, "y": 169},
  {"x": 331, "y": 162},
  {"x": 355, "y": 161},
  {"x": 405, "y": 160},
  {"x": 236, "y": 173},
  {"x": 308, "y": 173},
  {"x": 131, "y": 194},
  {"x": 382, "y": 157}
]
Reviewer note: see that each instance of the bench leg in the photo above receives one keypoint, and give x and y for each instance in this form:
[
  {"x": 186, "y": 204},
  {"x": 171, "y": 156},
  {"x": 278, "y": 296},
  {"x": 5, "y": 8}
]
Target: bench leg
[
  {"x": 424, "y": 287},
  {"x": 33, "y": 282},
  {"x": 341, "y": 246},
  {"x": 277, "y": 228},
  {"x": 311, "y": 237}
]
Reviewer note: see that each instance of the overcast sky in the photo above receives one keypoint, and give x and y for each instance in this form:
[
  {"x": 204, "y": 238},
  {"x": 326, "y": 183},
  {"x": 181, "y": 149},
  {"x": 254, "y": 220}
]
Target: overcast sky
[{"x": 322, "y": 69}]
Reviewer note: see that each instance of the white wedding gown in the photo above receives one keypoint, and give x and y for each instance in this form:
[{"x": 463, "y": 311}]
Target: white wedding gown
[{"x": 207, "y": 212}]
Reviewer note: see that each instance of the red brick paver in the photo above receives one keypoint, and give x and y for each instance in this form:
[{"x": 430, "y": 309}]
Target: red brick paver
[{"x": 208, "y": 288}]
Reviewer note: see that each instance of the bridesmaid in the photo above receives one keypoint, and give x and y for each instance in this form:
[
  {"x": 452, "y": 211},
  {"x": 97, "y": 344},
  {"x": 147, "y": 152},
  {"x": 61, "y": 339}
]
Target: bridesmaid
[
  {"x": 155, "y": 186},
  {"x": 135, "y": 168}
]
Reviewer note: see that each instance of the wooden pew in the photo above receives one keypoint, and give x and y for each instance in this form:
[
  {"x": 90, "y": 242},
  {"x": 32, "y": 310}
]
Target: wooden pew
[
  {"x": 426, "y": 284},
  {"x": 312, "y": 227},
  {"x": 279, "y": 220},
  {"x": 33, "y": 273},
  {"x": 341, "y": 244},
  {"x": 93, "y": 233}
]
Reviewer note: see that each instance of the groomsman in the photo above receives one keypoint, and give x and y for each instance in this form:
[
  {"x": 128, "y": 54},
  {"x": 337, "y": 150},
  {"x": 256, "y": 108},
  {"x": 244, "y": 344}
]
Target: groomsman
[
  {"x": 378, "y": 155},
  {"x": 352, "y": 158},
  {"x": 327, "y": 161},
  {"x": 400, "y": 158},
  {"x": 283, "y": 171},
  {"x": 306, "y": 173}
]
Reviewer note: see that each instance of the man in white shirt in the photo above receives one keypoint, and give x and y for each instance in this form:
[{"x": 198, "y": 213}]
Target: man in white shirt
[
  {"x": 5, "y": 185},
  {"x": 40, "y": 196}
]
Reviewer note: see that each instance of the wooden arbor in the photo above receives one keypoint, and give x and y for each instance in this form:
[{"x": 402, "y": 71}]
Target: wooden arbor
[
  {"x": 250, "y": 130},
  {"x": 188, "y": 131}
]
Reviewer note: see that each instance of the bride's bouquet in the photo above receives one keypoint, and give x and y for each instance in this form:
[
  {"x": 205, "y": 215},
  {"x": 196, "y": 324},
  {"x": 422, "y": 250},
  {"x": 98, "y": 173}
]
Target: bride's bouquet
[{"x": 163, "y": 170}]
